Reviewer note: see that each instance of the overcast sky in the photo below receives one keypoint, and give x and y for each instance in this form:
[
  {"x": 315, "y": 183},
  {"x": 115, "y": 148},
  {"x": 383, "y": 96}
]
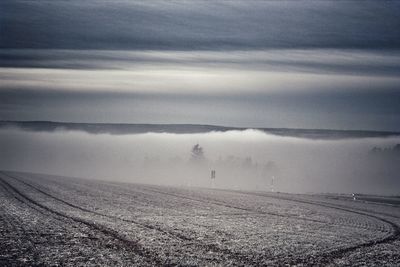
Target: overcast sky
[{"x": 300, "y": 64}]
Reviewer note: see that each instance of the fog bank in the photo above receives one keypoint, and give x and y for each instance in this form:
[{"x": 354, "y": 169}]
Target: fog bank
[{"x": 248, "y": 160}]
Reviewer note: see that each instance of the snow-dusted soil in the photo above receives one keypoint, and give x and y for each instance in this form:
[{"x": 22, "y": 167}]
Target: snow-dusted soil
[{"x": 68, "y": 221}]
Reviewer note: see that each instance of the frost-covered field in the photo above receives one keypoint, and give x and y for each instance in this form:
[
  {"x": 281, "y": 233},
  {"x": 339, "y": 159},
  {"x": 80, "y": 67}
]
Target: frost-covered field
[{"x": 67, "y": 221}]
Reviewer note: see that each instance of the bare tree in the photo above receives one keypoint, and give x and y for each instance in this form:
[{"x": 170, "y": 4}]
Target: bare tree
[{"x": 197, "y": 153}]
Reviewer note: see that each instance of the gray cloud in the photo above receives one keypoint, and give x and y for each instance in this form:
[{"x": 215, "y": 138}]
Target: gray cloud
[
  {"x": 308, "y": 64},
  {"x": 362, "y": 109},
  {"x": 313, "y": 88},
  {"x": 199, "y": 24},
  {"x": 333, "y": 61}
]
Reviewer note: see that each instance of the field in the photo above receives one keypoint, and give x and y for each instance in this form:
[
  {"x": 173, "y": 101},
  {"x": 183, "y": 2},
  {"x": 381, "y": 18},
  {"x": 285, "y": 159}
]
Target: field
[{"x": 48, "y": 220}]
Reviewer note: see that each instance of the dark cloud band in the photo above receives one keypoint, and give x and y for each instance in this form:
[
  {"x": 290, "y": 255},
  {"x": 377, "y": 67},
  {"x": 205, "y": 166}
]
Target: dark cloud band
[{"x": 209, "y": 25}]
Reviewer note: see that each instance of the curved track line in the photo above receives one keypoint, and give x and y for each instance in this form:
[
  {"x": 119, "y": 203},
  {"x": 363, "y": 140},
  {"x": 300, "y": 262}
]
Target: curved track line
[
  {"x": 210, "y": 247},
  {"x": 248, "y": 211},
  {"x": 325, "y": 258},
  {"x": 13, "y": 222},
  {"x": 138, "y": 249},
  {"x": 254, "y": 211},
  {"x": 226, "y": 205},
  {"x": 339, "y": 253},
  {"x": 146, "y": 226},
  {"x": 328, "y": 257},
  {"x": 321, "y": 203}
]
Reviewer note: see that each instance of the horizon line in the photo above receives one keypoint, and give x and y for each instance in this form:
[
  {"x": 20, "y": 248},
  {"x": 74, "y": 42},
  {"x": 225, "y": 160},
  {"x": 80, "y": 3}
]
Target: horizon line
[{"x": 200, "y": 124}]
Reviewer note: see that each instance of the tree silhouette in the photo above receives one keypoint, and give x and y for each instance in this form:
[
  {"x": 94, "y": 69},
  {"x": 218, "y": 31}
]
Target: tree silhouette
[{"x": 197, "y": 153}]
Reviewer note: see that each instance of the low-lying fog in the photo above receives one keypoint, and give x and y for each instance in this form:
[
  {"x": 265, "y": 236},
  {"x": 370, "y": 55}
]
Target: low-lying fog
[{"x": 249, "y": 160}]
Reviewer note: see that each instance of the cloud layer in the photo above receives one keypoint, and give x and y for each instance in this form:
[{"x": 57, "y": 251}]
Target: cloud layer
[
  {"x": 308, "y": 64},
  {"x": 313, "y": 88},
  {"x": 193, "y": 25}
]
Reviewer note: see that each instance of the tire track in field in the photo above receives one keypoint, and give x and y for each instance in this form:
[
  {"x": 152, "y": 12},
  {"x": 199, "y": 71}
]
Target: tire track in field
[
  {"x": 254, "y": 212},
  {"x": 21, "y": 200},
  {"x": 142, "y": 225},
  {"x": 20, "y": 239},
  {"x": 214, "y": 202},
  {"x": 182, "y": 237},
  {"x": 324, "y": 258},
  {"x": 129, "y": 244},
  {"x": 18, "y": 227},
  {"x": 248, "y": 211},
  {"x": 238, "y": 257},
  {"x": 321, "y": 203},
  {"x": 251, "y": 211},
  {"x": 339, "y": 253},
  {"x": 363, "y": 212}
]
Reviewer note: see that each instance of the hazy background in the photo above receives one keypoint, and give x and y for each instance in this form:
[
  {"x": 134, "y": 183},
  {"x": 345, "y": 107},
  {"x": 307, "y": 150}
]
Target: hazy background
[{"x": 242, "y": 160}]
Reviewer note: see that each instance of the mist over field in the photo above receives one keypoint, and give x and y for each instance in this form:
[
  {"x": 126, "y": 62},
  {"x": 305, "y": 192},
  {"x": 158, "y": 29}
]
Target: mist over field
[{"x": 243, "y": 159}]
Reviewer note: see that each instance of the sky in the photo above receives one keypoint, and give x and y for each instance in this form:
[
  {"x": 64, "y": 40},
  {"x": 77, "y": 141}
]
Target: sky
[{"x": 294, "y": 64}]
